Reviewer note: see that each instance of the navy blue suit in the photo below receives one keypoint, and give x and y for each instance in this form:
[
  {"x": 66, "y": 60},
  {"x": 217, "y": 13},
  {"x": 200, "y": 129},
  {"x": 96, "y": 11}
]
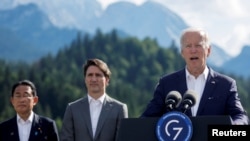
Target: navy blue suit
[
  {"x": 220, "y": 96},
  {"x": 42, "y": 129}
]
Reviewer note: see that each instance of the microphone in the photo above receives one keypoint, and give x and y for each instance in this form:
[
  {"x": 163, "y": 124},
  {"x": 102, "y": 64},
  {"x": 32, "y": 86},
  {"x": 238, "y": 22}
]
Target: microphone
[
  {"x": 173, "y": 100},
  {"x": 189, "y": 100}
]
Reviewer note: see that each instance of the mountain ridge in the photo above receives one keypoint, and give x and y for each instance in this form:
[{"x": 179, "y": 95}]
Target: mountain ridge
[{"x": 150, "y": 19}]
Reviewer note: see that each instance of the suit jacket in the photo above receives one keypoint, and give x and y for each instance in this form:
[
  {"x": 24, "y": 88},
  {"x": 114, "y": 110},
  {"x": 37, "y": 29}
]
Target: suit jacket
[
  {"x": 77, "y": 122},
  {"x": 220, "y": 96},
  {"x": 42, "y": 129}
]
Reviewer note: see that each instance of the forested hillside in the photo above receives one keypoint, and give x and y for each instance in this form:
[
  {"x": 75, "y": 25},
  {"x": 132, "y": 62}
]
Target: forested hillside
[{"x": 136, "y": 67}]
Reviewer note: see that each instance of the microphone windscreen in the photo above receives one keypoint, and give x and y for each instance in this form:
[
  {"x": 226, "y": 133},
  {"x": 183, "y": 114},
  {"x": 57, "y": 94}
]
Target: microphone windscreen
[
  {"x": 191, "y": 95},
  {"x": 174, "y": 95}
]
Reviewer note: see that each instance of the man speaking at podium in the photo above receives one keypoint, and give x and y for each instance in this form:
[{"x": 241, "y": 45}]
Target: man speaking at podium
[{"x": 216, "y": 94}]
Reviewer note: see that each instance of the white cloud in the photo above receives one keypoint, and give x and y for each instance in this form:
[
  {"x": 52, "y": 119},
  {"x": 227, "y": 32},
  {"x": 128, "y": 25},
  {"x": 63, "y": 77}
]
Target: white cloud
[
  {"x": 105, "y": 3},
  {"x": 227, "y": 21}
]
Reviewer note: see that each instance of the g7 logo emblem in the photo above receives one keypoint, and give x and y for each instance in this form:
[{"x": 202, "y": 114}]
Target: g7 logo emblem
[
  {"x": 174, "y": 126},
  {"x": 178, "y": 129}
]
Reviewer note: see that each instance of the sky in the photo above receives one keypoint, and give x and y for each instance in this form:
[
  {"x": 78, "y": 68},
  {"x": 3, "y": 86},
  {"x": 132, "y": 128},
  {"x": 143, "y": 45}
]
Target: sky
[{"x": 226, "y": 21}]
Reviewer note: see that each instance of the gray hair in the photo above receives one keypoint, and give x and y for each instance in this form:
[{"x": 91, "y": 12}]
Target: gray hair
[{"x": 202, "y": 32}]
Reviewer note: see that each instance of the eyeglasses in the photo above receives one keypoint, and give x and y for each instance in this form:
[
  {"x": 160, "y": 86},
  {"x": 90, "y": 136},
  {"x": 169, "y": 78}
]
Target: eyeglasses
[{"x": 19, "y": 96}]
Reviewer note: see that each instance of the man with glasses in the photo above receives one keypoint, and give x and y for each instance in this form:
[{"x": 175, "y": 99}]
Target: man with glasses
[{"x": 27, "y": 125}]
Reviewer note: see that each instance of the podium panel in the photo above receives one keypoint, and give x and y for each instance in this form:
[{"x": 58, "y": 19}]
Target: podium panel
[{"x": 144, "y": 129}]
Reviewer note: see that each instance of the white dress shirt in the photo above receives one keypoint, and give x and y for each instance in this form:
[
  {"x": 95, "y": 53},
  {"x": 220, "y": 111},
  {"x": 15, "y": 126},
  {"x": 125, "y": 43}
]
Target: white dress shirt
[
  {"x": 95, "y": 107},
  {"x": 196, "y": 84},
  {"x": 24, "y": 127}
]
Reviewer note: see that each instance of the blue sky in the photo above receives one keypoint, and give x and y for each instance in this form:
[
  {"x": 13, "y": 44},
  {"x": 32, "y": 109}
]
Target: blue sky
[{"x": 227, "y": 21}]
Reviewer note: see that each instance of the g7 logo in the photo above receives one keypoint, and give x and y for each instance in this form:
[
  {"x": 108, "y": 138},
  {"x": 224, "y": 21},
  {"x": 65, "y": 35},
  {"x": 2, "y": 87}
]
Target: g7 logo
[
  {"x": 174, "y": 126},
  {"x": 178, "y": 129}
]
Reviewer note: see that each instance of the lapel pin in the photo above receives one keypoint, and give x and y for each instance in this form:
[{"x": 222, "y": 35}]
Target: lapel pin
[
  {"x": 40, "y": 130},
  {"x": 210, "y": 98}
]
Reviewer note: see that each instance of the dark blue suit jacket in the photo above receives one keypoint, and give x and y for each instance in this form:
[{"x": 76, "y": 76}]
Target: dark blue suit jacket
[
  {"x": 220, "y": 96},
  {"x": 42, "y": 129}
]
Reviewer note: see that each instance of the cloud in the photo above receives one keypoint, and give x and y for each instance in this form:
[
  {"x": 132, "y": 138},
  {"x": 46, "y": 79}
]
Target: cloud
[
  {"x": 227, "y": 21},
  {"x": 106, "y": 3}
]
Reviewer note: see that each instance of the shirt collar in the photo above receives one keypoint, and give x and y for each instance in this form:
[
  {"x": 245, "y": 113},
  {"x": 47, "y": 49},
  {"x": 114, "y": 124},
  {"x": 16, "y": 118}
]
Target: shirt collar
[
  {"x": 30, "y": 118},
  {"x": 101, "y": 99},
  {"x": 204, "y": 73}
]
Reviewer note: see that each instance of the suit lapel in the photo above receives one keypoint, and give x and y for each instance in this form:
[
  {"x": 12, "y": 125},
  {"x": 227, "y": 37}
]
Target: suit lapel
[
  {"x": 36, "y": 129},
  {"x": 182, "y": 87},
  {"x": 107, "y": 106},
  {"x": 208, "y": 90},
  {"x": 13, "y": 130},
  {"x": 85, "y": 113}
]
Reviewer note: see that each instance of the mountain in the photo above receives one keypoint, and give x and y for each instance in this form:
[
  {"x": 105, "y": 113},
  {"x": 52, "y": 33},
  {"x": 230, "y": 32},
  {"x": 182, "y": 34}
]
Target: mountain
[
  {"x": 240, "y": 64},
  {"x": 27, "y": 34},
  {"x": 147, "y": 20},
  {"x": 218, "y": 56}
]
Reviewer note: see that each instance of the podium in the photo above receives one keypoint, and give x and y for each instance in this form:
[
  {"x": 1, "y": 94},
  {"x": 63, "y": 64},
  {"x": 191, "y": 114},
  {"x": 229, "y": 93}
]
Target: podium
[{"x": 144, "y": 129}]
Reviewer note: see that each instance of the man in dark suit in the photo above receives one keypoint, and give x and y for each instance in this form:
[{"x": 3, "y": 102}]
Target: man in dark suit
[
  {"x": 27, "y": 125},
  {"x": 95, "y": 117},
  {"x": 216, "y": 93}
]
